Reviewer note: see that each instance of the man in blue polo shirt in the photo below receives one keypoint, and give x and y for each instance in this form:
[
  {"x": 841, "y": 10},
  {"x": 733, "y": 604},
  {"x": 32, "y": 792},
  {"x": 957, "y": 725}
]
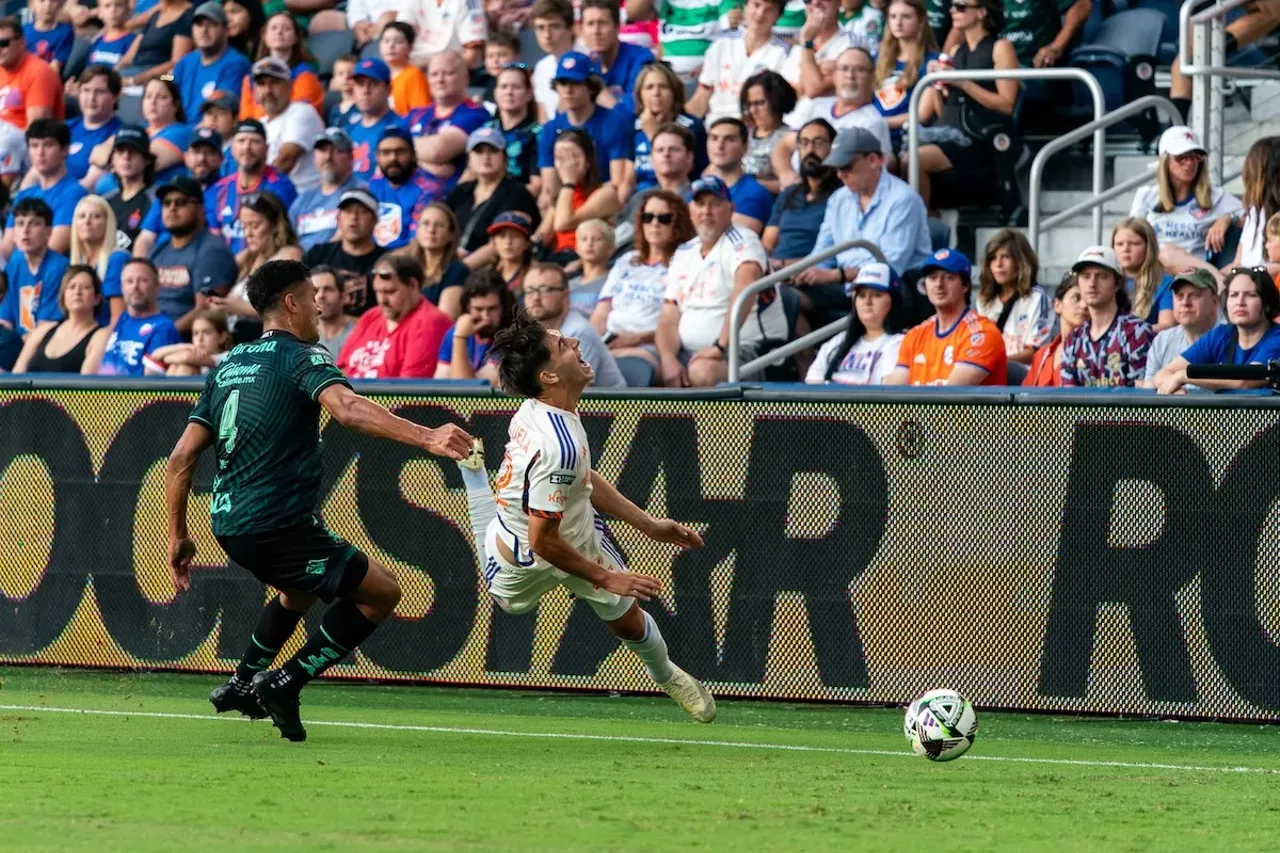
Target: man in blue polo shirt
[
  {"x": 141, "y": 328},
  {"x": 222, "y": 200},
  {"x": 402, "y": 188},
  {"x": 34, "y": 270},
  {"x": 213, "y": 69},
  {"x": 726, "y": 146},
  {"x": 47, "y": 142},
  {"x": 371, "y": 80},
  {"x": 315, "y": 213},
  {"x": 577, "y": 83},
  {"x": 620, "y": 62},
  {"x": 440, "y": 131},
  {"x": 97, "y": 95}
]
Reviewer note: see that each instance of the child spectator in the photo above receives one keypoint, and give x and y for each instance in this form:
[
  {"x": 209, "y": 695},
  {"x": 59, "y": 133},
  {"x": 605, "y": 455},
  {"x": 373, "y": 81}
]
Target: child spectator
[
  {"x": 340, "y": 114},
  {"x": 502, "y": 49},
  {"x": 1148, "y": 285},
  {"x": 115, "y": 39},
  {"x": 46, "y": 37},
  {"x": 408, "y": 83}
]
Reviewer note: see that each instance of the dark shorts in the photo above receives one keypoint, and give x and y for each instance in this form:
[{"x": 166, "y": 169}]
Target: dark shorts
[{"x": 304, "y": 557}]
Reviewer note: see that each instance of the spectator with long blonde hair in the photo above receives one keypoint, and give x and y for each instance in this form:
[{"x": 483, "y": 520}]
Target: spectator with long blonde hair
[
  {"x": 1150, "y": 287},
  {"x": 1009, "y": 296},
  {"x": 906, "y": 48},
  {"x": 268, "y": 236},
  {"x": 93, "y": 243}
]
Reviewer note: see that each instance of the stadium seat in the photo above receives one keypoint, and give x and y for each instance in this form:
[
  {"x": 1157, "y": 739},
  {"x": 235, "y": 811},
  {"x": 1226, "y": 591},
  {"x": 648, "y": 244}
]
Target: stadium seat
[
  {"x": 327, "y": 47},
  {"x": 530, "y": 53},
  {"x": 939, "y": 234},
  {"x": 1123, "y": 59},
  {"x": 130, "y": 109},
  {"x": 370, "y": 51}
]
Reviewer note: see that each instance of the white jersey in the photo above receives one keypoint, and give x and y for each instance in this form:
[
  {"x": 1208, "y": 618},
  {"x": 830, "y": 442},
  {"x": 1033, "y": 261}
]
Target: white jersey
[
  {"x": 1187, "y": 224},
  {"x": 866, "y": 362},
  {"x": 546, "y": 472},
  {"x": 444, "y": 25},
  {"x": 1031, "y": 321},
  {"x": 544, "y": 89},
  {"x": 866, "y": 117},
  {"x": 827, "y": 54},
  {"x": 299, "y": 124},
  {"x": 635, "y": 291},
  {"x": 701, "y": 286},
  {"x": 727, "y": 66}
]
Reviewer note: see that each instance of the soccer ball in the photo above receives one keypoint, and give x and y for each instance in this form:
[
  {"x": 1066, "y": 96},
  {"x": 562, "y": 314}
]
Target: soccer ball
[{"x": 940, "y": 725}]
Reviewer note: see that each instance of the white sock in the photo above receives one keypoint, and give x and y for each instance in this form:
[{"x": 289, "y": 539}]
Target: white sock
[
  {"x": 652, "y": 651},
  {"x": 482, "y": 506}
]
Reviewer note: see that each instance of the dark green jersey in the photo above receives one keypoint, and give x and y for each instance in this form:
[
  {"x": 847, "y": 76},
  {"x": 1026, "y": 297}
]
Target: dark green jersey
[{"x": 261, "y": 405}]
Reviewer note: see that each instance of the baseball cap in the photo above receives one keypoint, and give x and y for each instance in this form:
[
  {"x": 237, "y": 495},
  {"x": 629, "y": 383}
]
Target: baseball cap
[
  {"x": 223, "y": 103},
  {"x": 188, "y": 186},
  {"x": 132, "y": 136},
  {"x": 1179, "y": 140},
  {"x": 212, "y": 10},
  {"x": 1098, "y": 256},
  {"x": 397, "y": 131},
  {"x": 359, "y": 196},
  {"x": 373, "y": 68},
  {"x": 490, "y": 136},
  {"x": 335, "y": 136},
  {"x": 517, "y": 219},
  {"x": 848, "y": 144},
  {"x": 250, "y": 125},
  {"x": 709, "y": 184},
  {"x": 269, "y": 66},
  {"x": 576, "y": 67},
  {"x": 207, "y": 136},
  {"x": 948, "y": 260},
  {"x": 875, "y": 276},
  {"x": 1197, "y": 277}
]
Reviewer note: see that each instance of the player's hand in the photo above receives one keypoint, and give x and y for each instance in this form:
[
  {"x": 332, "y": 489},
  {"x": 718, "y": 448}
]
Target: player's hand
[
  {"x": 181, "y": 553},
  {"x": 449, "y": 440},
  {"x": 666, "y": 530},
  {"x": 625, "y": 584}
]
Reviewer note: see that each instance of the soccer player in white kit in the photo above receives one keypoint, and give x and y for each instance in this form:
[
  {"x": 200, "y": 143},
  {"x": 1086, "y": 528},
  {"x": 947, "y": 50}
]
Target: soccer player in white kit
[{"x": 542, "y": 529}]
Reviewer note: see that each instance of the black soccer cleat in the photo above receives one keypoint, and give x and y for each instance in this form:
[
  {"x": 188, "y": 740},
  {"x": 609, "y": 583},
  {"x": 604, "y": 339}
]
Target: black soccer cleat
[
  {"x": 281, "y": 703},
  {"x": 225, "y": 697}
]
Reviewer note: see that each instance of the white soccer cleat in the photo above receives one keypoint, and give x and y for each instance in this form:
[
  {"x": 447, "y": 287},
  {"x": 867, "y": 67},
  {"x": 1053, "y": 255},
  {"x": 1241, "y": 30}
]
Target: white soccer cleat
[
  {"x": 691, "y": 695},
  {"x": 476, "y": 460}
]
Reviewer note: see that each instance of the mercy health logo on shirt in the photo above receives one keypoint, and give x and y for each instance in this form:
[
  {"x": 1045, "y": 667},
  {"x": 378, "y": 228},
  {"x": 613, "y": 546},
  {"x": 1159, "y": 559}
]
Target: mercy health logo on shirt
[{"x": 390, "y": 224}]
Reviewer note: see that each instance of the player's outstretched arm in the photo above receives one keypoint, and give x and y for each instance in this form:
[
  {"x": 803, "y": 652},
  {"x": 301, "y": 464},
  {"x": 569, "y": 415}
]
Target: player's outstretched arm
[
  {"x": 606, "y": 498},
  {"x": 359, "y": 413},
  {"x": 547, "y": 543},
  {"x": 177, "y": 487}
]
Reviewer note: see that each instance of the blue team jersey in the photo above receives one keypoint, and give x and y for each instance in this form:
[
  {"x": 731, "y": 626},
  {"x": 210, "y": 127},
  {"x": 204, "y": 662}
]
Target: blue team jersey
[
  {"x": 751, "y": 199},
  {"x": 466, "y": 117},
  {"x": 364, "y": 142},
  {"x": 179, "y": 136},
  {"x": 399, "y": 207},
  {"x": 315, "y": 214},
  {"x": 132, "y": 339},
  {"x": 105, "y": 51},
  {"x": 620, "y": 79},
  {"x": 222, "y": 203},
  {"x": 32, "y": 298},
  {"x": 612, "y": 131},
  {"x": 84, "y": 140},
  {"x": 1220, "y": 345},
  {"x": 476, "y": 349},
  {"x": 111, "y": 288},
  {"x": 197, "y": 82},
  {"x": 646, "y": 178},
  {"x": 62, "y": 197},
  {"x": 50, "y": 45}
]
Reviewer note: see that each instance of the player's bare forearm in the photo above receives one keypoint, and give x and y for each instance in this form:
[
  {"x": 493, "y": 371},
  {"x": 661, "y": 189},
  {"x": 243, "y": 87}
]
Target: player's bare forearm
[
  {"x": 606, "y": 498},
  {"x": 179, "y": 473},
  {"x": 547, "y": 543},
  {"x": 363, "y": 415}
]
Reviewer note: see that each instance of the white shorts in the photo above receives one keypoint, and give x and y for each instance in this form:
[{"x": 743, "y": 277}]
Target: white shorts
[{"x": 518, "y": 589}]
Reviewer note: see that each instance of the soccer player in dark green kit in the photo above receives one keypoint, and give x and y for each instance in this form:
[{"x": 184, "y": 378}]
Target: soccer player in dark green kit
[{"x": 260, "y": 410}]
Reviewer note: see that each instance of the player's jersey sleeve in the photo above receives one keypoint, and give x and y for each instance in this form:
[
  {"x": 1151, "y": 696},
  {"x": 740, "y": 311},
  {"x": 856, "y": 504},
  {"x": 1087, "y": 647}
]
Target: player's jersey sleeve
[
  {"x": 203, "y": 412},
  {"x": 316, "y": 371},
  {"x": 556, "y": 469},
  {"x": 981, "y": 347}
]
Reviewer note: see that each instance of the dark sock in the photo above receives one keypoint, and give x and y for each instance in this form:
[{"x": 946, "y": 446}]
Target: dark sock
[
  {"x": 344, "y": 627},
  {"x": 1183, "y": 105},
  {"x": 275, "y": 626}
]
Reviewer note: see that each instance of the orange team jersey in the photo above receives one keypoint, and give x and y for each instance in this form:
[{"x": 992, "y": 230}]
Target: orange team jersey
[
  {"x": 306, "y": 87},
  {"x": 409, "y": 90},
  {"x": 34, "y": 85},
  {"x": 929, "y": 353}
]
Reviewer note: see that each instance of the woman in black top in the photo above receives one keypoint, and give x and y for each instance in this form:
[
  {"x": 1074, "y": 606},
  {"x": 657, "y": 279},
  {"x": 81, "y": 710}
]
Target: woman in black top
[
  {"x": 969, "y": 105},
  {"x": 516, "y": 118},
  {"x": 166, "y": 38},
  {"x": 476, "y": 203},
  {"x": 73, "y": 345}
]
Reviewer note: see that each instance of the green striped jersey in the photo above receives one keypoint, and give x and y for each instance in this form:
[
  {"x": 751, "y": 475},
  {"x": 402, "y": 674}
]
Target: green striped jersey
[{"x": 687, "y": 27}]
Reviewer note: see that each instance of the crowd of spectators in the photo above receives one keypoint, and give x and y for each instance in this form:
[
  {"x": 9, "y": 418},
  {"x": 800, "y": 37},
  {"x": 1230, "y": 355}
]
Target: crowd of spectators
[{"x": 660, "y": 159}]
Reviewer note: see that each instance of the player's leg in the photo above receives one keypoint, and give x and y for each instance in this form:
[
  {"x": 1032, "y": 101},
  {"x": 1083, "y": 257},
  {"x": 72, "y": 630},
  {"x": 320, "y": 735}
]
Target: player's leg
[
  {"x": 275, "y": 626},
  {"x": 481, "y": 503}
]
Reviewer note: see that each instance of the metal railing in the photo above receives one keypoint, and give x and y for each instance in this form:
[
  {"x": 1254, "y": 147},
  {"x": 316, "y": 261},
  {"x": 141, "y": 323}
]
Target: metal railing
[
  {"x": 1034, "y": 225},
  {"x": 1078, "y": 74},
  {"x": 735, "y": 309}
]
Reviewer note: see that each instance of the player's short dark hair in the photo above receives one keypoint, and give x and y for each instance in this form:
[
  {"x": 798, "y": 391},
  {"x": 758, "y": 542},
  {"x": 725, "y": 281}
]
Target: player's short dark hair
[
  {"x": 738, "y": 123},
  {"x": 50, "y": 128},
  {"x": 607, "y": 5},
  {"x": 325, "y": 269},
  {"x": 269, "y": 283},
  {"x": 106, "y": 72},
  {"x": 561, "y": 9},
  {"x": 520, "y": 350},
  {"x": 32, "y": 206}
]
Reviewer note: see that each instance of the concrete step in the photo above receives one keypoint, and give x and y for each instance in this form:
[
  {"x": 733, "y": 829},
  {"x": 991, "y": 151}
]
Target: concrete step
[{"x": 1265, "y": 102}]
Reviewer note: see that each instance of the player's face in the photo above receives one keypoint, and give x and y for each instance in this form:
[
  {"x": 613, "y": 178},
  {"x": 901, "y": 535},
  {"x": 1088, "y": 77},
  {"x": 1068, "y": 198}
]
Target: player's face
[
  {"x": 545, "y": 297},
  {"x": 571, "y": 370},
  {"x": 304, "y": 303},
  {"x": 370, "y": 95},
  {"x": 46, "y": 155},
  {"x": 30, "y": 233},
  {"x": 599, "y": 33},
  {"x": 395, "y": 159},
  {"x": 328, "y": 297},
  {"x": 250, "y": 151},
  {"x": 138, "y": 286},
  {"x": 1193, "y": 305},
  {"x": 945, "y": 289},
  {"x": 96, "y": 101},
  {"x": 1097, "y": 286},
  {"x": 1244, "y": 304},
  {"x": 203, "y": 161},
  {"x": 273, "y": 93},
  {"x": 446, "y": 78},
  {"x": 486, "y": 314},
  {"x": 90, "y": 224},
  {"x": 872, "y": 307}
]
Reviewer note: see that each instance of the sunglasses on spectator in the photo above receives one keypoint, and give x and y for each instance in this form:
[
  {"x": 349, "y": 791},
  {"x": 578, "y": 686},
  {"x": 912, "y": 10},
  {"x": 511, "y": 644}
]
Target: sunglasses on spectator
[
  {"x": 1189, "y": 157},
  {"x": 5, "y": 43},
  {"x": 1249, "y": 271},
  {"x": 514, "y": 66},
  {"x": 661, "y": 218}
]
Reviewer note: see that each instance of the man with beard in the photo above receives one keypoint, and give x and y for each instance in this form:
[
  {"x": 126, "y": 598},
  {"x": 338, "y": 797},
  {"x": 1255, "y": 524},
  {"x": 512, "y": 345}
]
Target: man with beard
[
  {"x": 371, "y": 81},
  {"x": 546, "y": 299},
  {"x": 192, "y": 263},
  {"x": 253, "y": 174},
  {"x": 315, "y": 213},
  {"x": 488, "y": 306},
  {"x": 203, "y": 159},
  {"x": 354, "y": 253},
  {"x": 705, "y": 276},
  {"x": 292, "y": 126},
  {"x": 402, "y": 188},
  {"x": 399, "y": 338},
  {"x": 142, "y": 328},
  {"x": 852, "y": 105},
  {"x": 213, "y": 69}
]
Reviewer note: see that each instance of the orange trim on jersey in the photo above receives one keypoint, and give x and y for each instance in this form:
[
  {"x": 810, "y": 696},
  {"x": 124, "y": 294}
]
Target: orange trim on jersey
[{"x": 539, "y": 513}]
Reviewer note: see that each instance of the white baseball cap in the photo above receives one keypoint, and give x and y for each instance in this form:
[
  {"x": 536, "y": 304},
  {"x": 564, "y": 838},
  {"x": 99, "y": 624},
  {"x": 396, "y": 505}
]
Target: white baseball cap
[
  {"x": 876, "y": 276},
  {"x": 1179, "y": 140},
  {"x": 1099, "y": 256}
]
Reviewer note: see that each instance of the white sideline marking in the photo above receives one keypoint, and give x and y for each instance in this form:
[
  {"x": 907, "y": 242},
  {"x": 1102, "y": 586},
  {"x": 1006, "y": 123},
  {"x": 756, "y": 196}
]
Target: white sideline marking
[{"x": 783, "y": 747}]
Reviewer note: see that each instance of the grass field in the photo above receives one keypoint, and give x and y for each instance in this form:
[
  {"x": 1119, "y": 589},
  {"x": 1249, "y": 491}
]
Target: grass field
[{"x": 413, "y": 768}]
